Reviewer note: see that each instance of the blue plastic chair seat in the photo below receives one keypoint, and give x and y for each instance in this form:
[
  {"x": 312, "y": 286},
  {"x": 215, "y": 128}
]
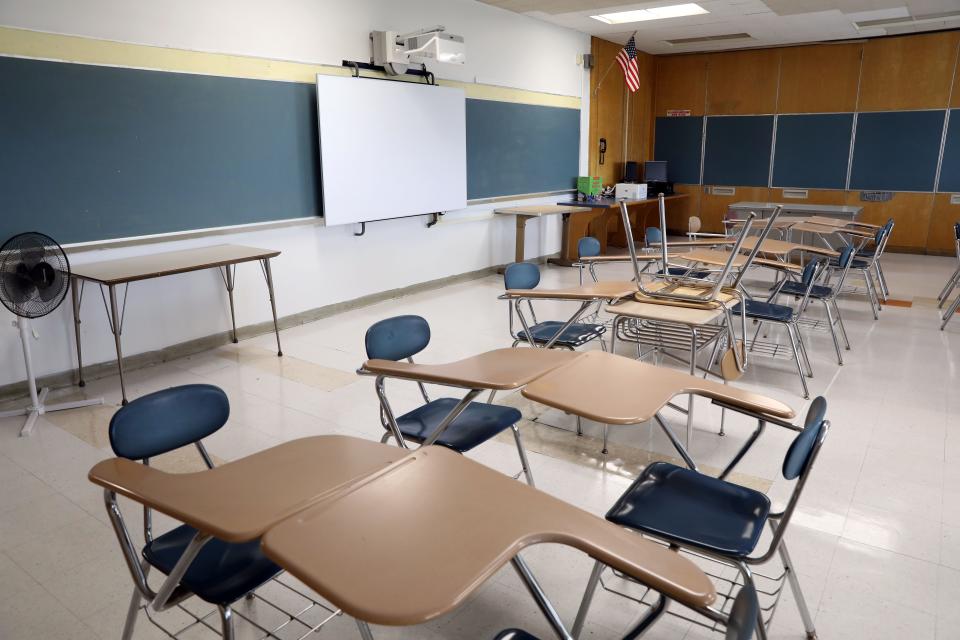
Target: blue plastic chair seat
[
  {"x": 515, "y": 634},
  {"x": 798, "y": 289},
  {"x": 681, "y": 271},
  {"x": 687, "y": 507},
  {"x": 766, "y": 311},
  {"x": 573, "y": 336},
  {"x": 856, "y": 264},
  {"x": 221, "y": 573},
  {"x": 478, "y": 423}
]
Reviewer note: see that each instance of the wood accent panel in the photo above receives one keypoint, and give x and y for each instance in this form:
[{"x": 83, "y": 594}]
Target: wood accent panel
[
  {"x": 908, "y": 72},
  {"x": 955, "y": 94},
  {"x": 679, "y": 211},
  {"x": 606, "y": 111},
  {"x": 805, "y": 87},
  {"x": 743, "y": 82},
  {"x": 714, "y": 207},
  {"x": 681, "y": 83},
  {"x": 640, "y": 112},
  {"x": 814, "y": 196},
  {"x": 911, "y": 215},
  {"x": 941, "y": 238}
]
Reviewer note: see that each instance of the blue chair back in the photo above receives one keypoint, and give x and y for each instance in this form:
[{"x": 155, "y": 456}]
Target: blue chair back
[
  {"x": 956, "y": 230},
  {"x": 743, "y": 615},
  {"x": 808, "y": 271},
  {"x": 799, "y": 454},
  {"x": 166, "y": 420},
  {"x": 588, "y": 247},
  {"x": 521, "y": 275},
  {"x": 845, "y": 256},
  {"x": 397, "y": 338},
  {"x": 653, "y": 235}
]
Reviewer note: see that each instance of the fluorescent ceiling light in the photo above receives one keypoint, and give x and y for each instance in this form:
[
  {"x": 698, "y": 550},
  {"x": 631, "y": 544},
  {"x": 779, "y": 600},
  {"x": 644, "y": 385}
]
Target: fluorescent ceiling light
[{"x": 656, "y": 13}]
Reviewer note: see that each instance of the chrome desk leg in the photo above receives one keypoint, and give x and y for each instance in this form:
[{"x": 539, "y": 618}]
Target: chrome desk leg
[
  {"x": 796, "y": 358},
  {"x": 226, "y": 623},
  {"x": 273, "y": 302},
  {"x": 75, "y": 297},
  {"x": 541, "y": 598},
  {"x": 587, "y": 598},
  {"x": 525, "y": 464},
  {"x": 693, "y": 372},
  {"x": 364, "y": 628},
  {"x": 117, "y": 328}
]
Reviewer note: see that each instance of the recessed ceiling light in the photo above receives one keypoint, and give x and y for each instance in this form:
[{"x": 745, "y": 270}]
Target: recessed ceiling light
[{"x": 656, "y": 13}]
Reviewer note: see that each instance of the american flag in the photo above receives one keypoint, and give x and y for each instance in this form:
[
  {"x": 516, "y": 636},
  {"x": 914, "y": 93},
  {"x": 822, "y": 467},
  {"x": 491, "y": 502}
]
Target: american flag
[{"x": 627, "y": 58}]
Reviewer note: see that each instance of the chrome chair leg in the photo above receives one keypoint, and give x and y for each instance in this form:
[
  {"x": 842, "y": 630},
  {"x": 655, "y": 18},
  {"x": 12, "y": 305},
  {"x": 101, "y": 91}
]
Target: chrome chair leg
[
  {"x": 948, "y": 315},
  {"x": 797, "y": 592},
  {"x": 579, "y": 426},
  {"x": 606, "y": 430},
  {"x": 803, "y": 350},
  {"x": 587, "y": 599},
  {"x": 364, "y": 628},
  {"x": 132, "y": 612},
  {"x": 386, "y": 436},
  {"x": 882, "y": 276},
  {"x": 748, "y": 583},
  {"x": 871, "y": 294},
  {"x": 843, "y": 329},
  {"x": 833, "y": 331},
  {"x": 524, "y": 463},
  {"x": 226, "y": 623},
  {"x": 949, "y": 286},
  {"x": 796, "y": 358}
]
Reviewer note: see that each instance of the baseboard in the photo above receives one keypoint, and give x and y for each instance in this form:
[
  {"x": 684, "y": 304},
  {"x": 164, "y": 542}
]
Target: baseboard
[{"x": 98, "y": 370}]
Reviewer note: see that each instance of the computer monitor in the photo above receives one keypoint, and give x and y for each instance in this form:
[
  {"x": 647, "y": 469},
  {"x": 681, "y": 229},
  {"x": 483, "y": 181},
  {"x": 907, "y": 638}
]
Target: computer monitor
[
  {"x": 655, "y": 171},
  {"x": 631, "y": 172}
]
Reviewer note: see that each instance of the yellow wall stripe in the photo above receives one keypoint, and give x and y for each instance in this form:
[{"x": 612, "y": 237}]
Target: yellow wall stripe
[{"x": 48, "y": 46}]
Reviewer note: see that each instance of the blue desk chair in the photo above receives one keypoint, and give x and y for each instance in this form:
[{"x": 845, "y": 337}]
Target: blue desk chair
[
  {"x": 220, "y": 572},
  {"x": 827, "y": 294},
  {"x": 951, "y": 285},
  {"x": 741, "y": 623},
  {"x": 526, "y": 275},
  {"x": 876, "y": 251},
  {"x": 786, "y": 316},
  {"x": 401, "y": 338},
  {"x": 716, "y": 518},
  {"x": 866, "y": 264},
  {"x": 587, "y": 247}
]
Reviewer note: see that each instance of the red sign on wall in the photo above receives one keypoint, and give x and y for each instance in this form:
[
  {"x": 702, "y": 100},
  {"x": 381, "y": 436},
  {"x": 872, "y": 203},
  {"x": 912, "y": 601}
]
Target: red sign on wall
[{"x": 676, "y": 113}]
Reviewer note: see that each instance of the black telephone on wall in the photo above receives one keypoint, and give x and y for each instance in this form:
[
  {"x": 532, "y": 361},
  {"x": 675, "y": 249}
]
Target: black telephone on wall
[{"x": 603, "y": 149}]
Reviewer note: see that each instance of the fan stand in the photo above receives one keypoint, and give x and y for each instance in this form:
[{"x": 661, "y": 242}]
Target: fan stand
[{"x": 38, "y": 408}]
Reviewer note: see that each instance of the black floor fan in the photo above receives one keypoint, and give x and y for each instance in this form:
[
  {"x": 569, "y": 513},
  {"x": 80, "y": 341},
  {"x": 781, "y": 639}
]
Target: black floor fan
[{"x": 34, "y": 279}]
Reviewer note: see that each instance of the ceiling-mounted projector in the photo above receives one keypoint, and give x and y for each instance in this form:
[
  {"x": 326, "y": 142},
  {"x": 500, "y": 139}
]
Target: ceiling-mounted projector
[{"x": 395, "y": 52}]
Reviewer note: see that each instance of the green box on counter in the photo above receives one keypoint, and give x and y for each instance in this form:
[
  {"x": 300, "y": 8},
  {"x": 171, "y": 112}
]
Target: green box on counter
[{"x": 589, "y": 185}]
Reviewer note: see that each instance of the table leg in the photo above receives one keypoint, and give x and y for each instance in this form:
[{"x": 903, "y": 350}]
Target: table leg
[
  {"x": 116, "y": 327},
  {"x": 273, "y": 303},
  {"x": 75, "y": 297},
  {"x": 521, "y": 238},
  {"x": 229, "y": 276}
]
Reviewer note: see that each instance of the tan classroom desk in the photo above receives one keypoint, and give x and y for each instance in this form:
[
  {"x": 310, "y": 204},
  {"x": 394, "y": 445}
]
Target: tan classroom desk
[
  {"x": 612, "y": 290},
  {"x": 784, "y": 248},
  {"x": 238, "y": 501},
  {"x": 351, "y": 551},
  {"x": 613, "y": 389},
  {"x": 524, "y": 214},
  {"x": 112, "y": 273},
  {"x": 500, "y": 369}
]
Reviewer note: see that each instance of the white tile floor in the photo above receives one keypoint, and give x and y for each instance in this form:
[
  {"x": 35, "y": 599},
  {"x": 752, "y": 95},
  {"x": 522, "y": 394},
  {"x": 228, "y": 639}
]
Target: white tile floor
[{"x": 876, "y": 538}]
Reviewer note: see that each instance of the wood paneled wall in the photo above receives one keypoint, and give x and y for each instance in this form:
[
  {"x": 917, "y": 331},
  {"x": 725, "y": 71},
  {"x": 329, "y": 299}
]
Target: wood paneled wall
[
  {"x": 624, "y": 119},
  {"x": 897, "y": 73}
]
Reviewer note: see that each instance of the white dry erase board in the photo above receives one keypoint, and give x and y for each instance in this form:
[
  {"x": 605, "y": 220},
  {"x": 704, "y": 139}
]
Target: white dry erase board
[{"x": 390, "y": 149}]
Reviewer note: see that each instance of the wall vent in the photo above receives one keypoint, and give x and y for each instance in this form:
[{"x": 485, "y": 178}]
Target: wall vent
[
  {"x": 955, "y": 198},
  {"x": 703, "y": 39},
  {"x": 796, "y": 194},
  {"x": 946, "y": 16},
  {"x": 723, "y": 191}
]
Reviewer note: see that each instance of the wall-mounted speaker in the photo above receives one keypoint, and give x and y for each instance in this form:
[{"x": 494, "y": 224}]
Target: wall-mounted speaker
[{"x": 588, "y": 61}]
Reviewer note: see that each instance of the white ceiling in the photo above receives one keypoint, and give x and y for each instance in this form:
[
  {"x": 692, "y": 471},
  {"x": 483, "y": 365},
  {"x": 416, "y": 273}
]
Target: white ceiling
[{"x": 768, "y": 22}]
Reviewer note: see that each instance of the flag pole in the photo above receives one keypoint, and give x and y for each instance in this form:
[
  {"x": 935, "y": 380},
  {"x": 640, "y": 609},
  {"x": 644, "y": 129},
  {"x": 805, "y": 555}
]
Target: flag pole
[{"x": 609, "y": 67}]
